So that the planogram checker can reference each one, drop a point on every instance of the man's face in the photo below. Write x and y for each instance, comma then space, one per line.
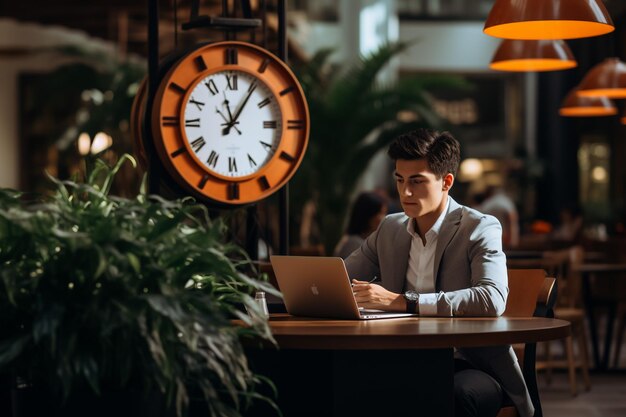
421, 193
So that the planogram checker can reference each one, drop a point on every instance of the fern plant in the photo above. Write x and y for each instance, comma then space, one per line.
114, 293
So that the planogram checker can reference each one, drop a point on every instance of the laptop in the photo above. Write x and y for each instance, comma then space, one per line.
317, 286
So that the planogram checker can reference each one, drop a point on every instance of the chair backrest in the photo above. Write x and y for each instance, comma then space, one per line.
531, 293
525, 292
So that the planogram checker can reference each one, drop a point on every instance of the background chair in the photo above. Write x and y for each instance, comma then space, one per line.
530, 294
569, 307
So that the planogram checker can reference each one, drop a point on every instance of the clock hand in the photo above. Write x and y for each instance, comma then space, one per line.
226, 130
228, 122
230, 115
232, 125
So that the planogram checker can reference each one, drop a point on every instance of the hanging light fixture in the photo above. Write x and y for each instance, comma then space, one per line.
548, 19
575, 105
532, 55
607, 79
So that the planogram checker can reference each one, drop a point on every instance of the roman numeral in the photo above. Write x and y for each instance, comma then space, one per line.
264, 65
295, 124
231, 57
177, 88
178, 151
233, 191
264, 183
212, 87
264, 103
266, 145
287, 90
212, 159
170, 121
198, 144
284, 155
198, 104
232, 164
232, 81
251, 161
200, 64
203, 181
192, 123
270, 124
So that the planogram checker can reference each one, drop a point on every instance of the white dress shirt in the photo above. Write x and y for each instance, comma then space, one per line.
421, 268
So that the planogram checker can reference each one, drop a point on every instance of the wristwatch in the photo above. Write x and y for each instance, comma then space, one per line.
412, 299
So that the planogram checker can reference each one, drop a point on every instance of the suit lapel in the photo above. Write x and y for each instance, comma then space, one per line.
401, 244
448, 229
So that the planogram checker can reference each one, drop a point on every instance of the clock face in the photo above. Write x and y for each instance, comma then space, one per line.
230, 123
233, 123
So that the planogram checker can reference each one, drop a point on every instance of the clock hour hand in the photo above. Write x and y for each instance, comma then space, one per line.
226, 130
226, 103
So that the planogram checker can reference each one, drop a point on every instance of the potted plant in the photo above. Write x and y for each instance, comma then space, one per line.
101, 294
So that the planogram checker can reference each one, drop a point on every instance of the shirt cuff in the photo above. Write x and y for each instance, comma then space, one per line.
428, 304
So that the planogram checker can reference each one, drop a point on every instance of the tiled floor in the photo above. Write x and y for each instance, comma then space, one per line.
607, 397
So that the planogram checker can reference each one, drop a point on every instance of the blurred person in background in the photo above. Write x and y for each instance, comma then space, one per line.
368, 211
494, 201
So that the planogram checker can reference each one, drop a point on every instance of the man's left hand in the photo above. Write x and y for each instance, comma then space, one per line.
374, 296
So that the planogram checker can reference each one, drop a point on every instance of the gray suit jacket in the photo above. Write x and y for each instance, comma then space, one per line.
470, 280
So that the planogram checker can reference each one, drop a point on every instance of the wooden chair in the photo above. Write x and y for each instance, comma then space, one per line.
569, 308
531, 293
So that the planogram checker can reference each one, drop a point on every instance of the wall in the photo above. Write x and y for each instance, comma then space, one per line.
10, 68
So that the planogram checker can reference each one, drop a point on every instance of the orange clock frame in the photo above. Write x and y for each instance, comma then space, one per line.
175, 151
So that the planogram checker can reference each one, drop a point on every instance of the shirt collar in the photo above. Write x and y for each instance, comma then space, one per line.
435, 227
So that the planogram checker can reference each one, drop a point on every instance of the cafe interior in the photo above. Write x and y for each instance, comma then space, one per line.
532, 89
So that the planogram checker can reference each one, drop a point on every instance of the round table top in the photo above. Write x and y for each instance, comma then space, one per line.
413, 332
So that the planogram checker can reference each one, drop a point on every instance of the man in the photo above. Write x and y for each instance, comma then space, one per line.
439, 258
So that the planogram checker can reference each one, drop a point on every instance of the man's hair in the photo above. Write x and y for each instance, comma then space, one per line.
440, 150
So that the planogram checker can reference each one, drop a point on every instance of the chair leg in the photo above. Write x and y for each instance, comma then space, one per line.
619, 337
584, 355
548, 362
571, 365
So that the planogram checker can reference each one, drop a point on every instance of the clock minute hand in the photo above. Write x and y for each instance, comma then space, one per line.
226, 130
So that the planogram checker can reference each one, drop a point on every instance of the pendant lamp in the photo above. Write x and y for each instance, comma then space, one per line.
548, 19
607, 79
575, 105
533, 55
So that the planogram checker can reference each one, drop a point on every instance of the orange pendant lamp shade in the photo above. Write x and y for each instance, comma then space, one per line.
607, 79
576, 106
542, 55
548, 19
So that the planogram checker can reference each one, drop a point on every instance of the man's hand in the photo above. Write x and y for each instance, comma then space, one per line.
374, 296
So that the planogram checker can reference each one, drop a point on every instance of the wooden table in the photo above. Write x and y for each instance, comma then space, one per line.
381, 367
588, 271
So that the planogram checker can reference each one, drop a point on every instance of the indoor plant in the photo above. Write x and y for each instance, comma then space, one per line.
114, 293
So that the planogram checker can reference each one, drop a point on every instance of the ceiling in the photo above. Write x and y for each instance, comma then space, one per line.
125, 22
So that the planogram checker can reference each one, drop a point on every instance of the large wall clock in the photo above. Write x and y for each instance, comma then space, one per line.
230, 122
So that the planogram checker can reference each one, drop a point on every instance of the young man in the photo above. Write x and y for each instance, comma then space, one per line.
439, 258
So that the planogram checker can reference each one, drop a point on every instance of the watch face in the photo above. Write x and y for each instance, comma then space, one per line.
233, 123
230, 123
411, 296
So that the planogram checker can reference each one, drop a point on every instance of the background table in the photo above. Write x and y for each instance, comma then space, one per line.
588, 271
380, 367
